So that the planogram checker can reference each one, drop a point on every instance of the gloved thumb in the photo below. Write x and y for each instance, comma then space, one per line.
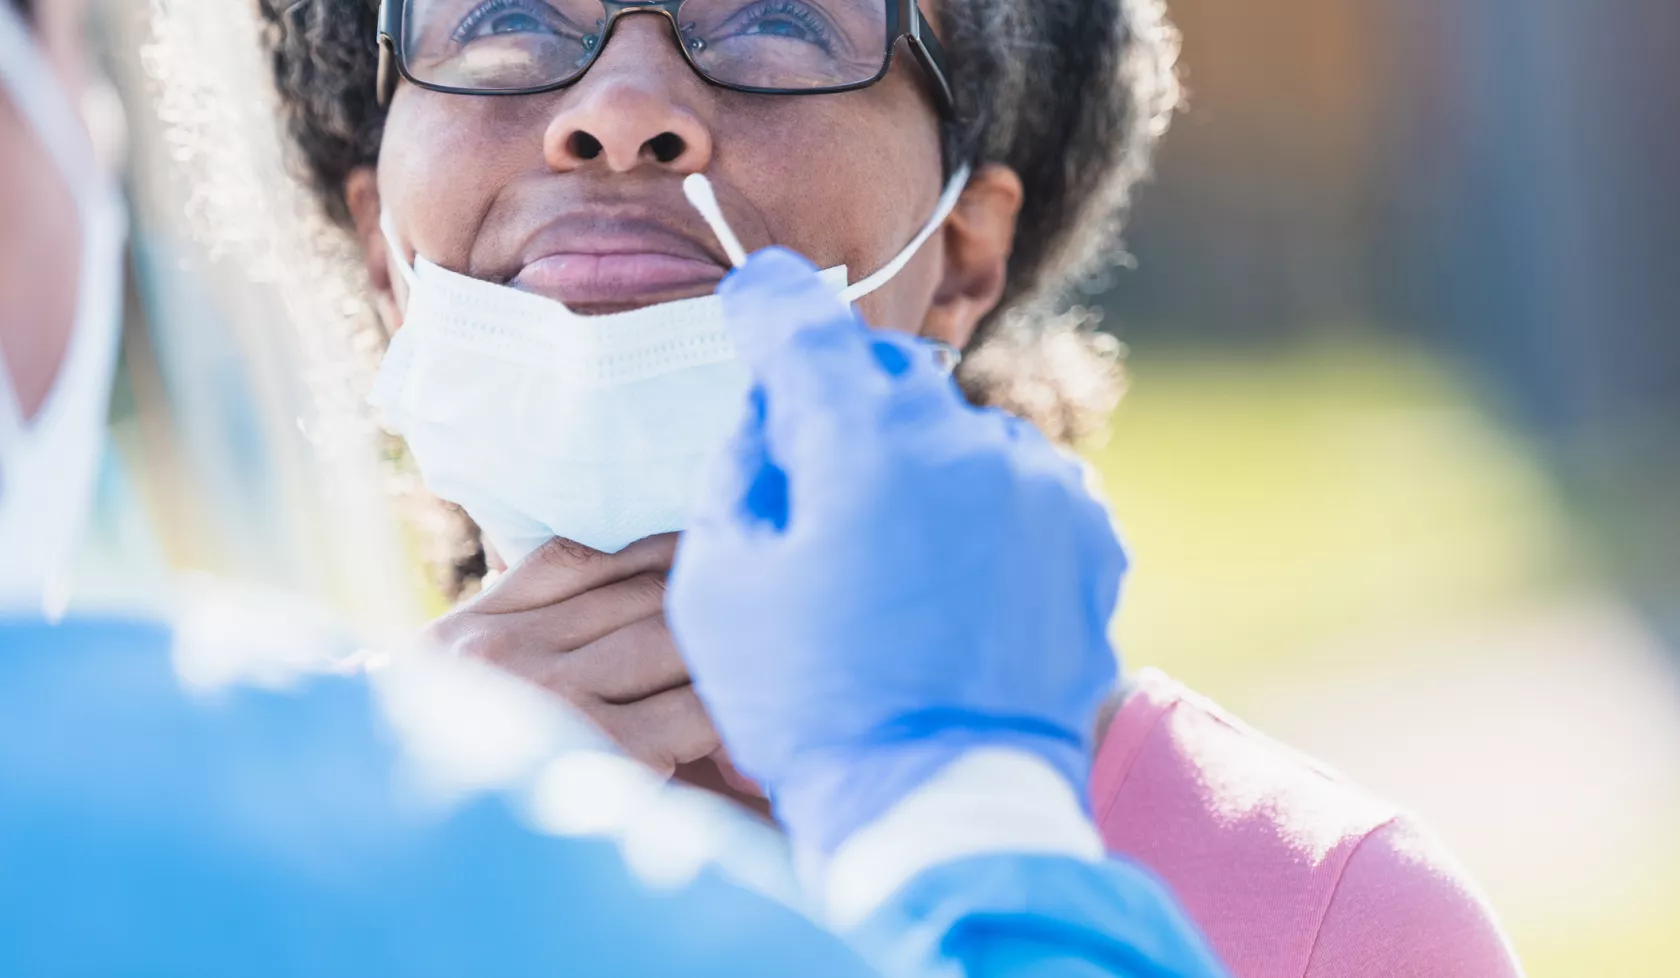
774, 295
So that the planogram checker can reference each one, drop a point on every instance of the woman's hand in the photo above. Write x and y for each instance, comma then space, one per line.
590, 627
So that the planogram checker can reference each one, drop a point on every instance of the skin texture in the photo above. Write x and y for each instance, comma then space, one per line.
40, 240
1071, 95
591, 628
844, 179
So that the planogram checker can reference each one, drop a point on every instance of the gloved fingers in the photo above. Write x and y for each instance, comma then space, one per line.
1069, 480
910, 358
743, 485
1107, 563
716, 566
664, 730
922, 394
1114, 546
824, 395
807, 351
774, 295
1037, 455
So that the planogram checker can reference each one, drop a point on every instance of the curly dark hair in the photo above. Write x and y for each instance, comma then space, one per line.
1071, 94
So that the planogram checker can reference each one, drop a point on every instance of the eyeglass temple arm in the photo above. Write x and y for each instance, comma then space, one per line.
389, 72
925, 43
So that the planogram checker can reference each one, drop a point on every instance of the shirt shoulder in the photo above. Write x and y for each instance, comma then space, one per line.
1405, 909
1257, 839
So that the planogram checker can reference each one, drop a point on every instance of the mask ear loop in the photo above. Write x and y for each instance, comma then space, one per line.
699, 192
946, 356
388, 228
947, 203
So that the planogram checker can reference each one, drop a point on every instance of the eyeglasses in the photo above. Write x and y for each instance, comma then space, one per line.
778, 47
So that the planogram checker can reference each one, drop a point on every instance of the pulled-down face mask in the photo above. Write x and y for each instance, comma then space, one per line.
540, 422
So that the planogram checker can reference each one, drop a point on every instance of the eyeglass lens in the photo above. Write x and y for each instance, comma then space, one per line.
511, 45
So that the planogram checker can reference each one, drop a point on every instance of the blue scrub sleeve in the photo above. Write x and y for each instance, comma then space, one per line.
1024, 916
258, 834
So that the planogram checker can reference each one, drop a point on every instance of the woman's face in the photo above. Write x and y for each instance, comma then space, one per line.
576, 194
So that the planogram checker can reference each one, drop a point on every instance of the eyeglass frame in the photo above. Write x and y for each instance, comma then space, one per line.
910, 25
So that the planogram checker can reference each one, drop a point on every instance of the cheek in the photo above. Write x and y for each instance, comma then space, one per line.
843, 179
429, 142
903, 303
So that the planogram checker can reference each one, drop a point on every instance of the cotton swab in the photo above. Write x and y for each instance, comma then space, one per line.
699, 192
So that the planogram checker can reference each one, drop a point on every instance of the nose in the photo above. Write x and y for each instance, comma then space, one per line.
633, 108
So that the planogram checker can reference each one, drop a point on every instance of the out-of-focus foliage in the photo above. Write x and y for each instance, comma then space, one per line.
1276, 504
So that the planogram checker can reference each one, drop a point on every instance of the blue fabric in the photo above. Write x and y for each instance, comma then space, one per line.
258, 834
881, 576
1012, 916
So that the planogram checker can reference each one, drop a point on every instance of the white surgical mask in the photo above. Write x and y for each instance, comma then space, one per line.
49, 464
540, 422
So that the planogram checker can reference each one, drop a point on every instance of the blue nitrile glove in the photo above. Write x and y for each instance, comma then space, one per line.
883, 576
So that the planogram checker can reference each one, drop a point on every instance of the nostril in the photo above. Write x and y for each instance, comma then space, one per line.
584, 146
667, 146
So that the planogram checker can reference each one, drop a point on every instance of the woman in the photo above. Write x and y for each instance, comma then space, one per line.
571, 191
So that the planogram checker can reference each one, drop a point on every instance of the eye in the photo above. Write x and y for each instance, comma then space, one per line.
508, 17
785, 19
511, 23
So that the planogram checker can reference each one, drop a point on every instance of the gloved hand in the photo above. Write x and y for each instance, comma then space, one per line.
883, 577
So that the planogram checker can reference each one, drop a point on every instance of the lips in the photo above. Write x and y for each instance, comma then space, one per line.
588, 282
610, 267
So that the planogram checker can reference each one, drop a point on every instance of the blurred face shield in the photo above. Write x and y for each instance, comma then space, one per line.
49, 457
784, 47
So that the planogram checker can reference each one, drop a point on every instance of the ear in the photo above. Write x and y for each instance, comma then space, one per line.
361, 192
978, 238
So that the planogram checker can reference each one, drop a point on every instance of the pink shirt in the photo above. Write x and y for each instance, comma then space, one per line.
1291, 871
